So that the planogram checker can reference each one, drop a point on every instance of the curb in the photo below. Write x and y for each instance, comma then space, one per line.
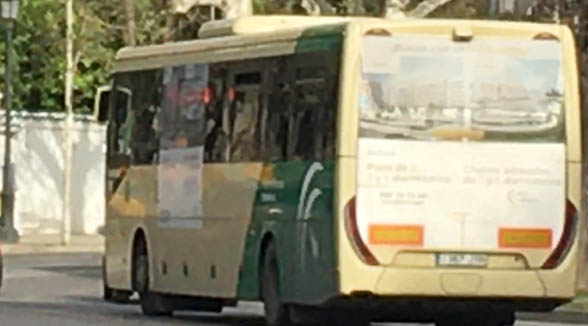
9, 250
52, 244
558, 316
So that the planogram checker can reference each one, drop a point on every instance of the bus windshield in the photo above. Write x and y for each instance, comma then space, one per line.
424, 87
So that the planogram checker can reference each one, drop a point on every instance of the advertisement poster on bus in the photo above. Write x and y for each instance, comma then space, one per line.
180, 186
460, 141
182, 146
413, 88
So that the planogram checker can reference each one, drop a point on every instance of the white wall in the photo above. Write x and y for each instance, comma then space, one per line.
38, 159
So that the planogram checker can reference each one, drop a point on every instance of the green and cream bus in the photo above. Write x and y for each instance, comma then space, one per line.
348, 169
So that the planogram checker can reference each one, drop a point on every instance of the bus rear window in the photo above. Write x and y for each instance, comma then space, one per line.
435, 89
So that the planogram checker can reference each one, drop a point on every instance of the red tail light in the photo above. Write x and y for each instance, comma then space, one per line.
206, 95
566, 240
355, 238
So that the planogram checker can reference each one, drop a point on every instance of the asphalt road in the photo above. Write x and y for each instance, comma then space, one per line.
64, 290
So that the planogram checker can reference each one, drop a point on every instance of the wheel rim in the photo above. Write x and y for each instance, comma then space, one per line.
141, 274
1, 270
270, 292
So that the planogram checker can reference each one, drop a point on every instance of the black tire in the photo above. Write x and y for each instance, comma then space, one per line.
456, 322
276, 312
308, 315
1, 270
304, 315
116, 296
481, 319
155, 304
152, 304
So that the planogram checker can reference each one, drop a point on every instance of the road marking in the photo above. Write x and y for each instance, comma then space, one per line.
28, 273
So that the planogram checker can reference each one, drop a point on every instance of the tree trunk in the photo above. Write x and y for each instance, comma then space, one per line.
324, 7
395, 8
131, 23
355, 7
67, 144
171, 21
426, 7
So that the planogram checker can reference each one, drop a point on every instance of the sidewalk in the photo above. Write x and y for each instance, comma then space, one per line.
45, 244
579, 305
575, 312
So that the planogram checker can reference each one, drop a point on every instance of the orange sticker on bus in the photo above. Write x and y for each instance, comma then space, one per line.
525, 238
396, 235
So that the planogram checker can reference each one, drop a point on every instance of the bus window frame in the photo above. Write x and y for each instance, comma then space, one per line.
98, 100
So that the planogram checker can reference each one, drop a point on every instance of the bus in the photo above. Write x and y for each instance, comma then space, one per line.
350, 169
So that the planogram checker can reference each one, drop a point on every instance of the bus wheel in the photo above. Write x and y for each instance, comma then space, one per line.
482, 319
1, 270
457, 322
276, 313
152, 304
308, 315
155, 304
116, 296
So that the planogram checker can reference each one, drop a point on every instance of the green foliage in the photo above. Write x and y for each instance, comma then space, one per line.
467, 9
100, 30
39, 48
36, 38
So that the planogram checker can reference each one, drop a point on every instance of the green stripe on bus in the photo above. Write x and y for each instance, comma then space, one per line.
305, 243
320, 39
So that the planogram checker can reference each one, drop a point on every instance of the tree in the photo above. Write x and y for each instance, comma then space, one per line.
101, 28
471, 9
39, 43
425, 8
131, 23
104, 26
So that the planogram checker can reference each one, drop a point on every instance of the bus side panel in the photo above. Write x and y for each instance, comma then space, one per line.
294, 203
117, 266
126, 210
206, 252
300, 196
576, 145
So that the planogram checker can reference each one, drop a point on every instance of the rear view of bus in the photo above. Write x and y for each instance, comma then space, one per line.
467, 198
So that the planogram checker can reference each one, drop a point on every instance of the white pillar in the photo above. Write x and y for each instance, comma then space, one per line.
67, 143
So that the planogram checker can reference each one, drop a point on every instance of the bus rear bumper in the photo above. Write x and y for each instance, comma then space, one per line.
429, 309
460, 283
525, 290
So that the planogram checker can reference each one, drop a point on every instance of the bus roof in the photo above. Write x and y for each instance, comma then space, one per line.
267, 33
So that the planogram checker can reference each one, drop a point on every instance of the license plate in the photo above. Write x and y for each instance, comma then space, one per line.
462, 260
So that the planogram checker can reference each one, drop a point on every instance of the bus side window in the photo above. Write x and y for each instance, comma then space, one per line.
309, 112
315, 96
216, 138
123, 117
244, 118
142, 130
102, 104
277, 104
120, 103
118, 116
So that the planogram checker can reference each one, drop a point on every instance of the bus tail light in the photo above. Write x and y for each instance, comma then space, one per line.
354, 236
566, 240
